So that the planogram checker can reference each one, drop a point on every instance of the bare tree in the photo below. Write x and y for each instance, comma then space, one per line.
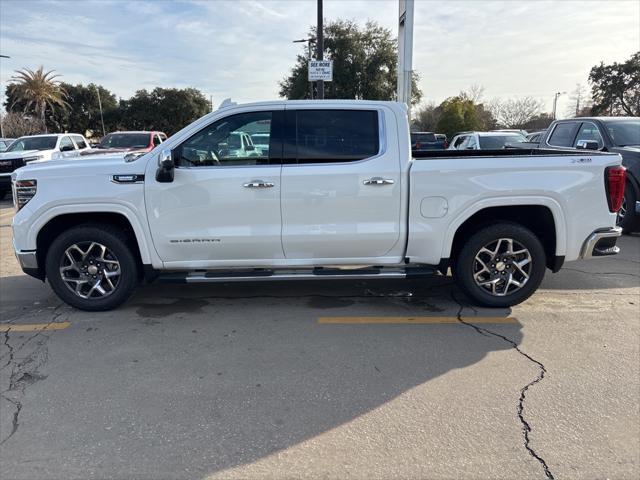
426, 118
17, 124
579, 102
475, 93
515, 112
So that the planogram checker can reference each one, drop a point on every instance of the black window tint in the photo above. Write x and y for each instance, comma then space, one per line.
80, 142
563, 134
220, 144
325, 136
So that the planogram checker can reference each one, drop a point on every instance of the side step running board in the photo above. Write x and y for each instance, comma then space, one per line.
264, 275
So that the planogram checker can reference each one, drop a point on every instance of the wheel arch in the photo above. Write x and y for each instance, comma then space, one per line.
544, 220
50, 228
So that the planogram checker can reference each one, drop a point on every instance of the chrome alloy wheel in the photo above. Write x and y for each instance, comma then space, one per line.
90, 270
502, 267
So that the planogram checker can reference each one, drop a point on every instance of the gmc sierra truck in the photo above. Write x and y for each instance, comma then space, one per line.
337, 195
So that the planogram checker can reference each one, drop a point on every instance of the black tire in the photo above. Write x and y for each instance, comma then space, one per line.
466, 262
629, 221
116, 243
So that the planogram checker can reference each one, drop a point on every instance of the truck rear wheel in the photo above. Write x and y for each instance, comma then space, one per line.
91, 267
500, 265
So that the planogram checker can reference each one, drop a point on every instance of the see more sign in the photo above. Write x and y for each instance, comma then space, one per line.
321, 70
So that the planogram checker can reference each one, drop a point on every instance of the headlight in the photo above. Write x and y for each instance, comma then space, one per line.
23, 191
33, 159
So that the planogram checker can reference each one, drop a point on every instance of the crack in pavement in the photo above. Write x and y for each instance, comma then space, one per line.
526, 427
24, 372
602, 273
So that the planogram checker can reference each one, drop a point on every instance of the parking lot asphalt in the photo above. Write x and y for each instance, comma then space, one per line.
331, 379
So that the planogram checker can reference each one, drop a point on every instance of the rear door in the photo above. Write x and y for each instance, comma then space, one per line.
341, 189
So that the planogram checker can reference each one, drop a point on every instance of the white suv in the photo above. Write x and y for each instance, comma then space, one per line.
38, 147
485, 140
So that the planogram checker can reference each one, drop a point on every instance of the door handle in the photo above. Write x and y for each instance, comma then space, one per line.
258, 184
379, 181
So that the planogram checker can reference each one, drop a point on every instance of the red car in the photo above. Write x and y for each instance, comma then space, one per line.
130, 142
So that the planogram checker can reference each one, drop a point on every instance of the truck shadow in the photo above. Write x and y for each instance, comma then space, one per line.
271, 376
218, 377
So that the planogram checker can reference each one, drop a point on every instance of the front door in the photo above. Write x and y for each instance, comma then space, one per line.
223, 205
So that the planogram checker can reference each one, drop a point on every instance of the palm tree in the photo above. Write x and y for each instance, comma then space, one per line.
39, 90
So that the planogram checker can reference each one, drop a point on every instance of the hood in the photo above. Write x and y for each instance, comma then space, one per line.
631, 149
26, 153
102, 151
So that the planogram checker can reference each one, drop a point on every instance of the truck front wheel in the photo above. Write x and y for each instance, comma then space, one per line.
500, 265
91, 267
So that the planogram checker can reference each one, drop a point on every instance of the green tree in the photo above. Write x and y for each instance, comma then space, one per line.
364, 65
38, 91
165, 109
616, 88
458, 114
83, 113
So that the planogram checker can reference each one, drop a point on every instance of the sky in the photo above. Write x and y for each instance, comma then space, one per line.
241, 49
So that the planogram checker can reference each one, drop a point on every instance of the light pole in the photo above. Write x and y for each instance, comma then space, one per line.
101, 116
1, 124
555, 102
308, 41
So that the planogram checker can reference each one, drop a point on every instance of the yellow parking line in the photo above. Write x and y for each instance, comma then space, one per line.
33, 327
414, 320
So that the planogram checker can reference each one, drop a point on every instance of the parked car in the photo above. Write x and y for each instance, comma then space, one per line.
130, 142
606, 134
443, 138
5, 143
485, 140
511, 130
33, 148
333, 193
261, 141
422, 141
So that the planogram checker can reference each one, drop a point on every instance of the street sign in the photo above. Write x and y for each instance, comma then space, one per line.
321, 70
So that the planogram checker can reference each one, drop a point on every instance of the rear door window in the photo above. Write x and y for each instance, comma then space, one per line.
66, 144
156, 140
563, 134
588, 131
330, 136
81, 144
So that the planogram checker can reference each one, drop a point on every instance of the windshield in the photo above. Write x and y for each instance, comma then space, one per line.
423, 138
125, 140
496, 142
260, 138
624, 132
33, 143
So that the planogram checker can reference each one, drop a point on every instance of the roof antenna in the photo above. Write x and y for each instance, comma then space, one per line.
226, 103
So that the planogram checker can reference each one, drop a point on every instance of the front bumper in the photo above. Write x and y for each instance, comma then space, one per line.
29, 263
601, 243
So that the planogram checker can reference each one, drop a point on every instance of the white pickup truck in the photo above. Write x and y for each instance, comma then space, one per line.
337, 195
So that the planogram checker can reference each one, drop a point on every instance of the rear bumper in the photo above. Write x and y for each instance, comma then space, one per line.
601, 243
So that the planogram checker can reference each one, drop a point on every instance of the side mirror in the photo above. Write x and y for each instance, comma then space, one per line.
166, 166
587, 145
66, 148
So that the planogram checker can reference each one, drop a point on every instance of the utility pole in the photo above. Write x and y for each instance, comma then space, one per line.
1, 124
405, 53
104, 132
320, 49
